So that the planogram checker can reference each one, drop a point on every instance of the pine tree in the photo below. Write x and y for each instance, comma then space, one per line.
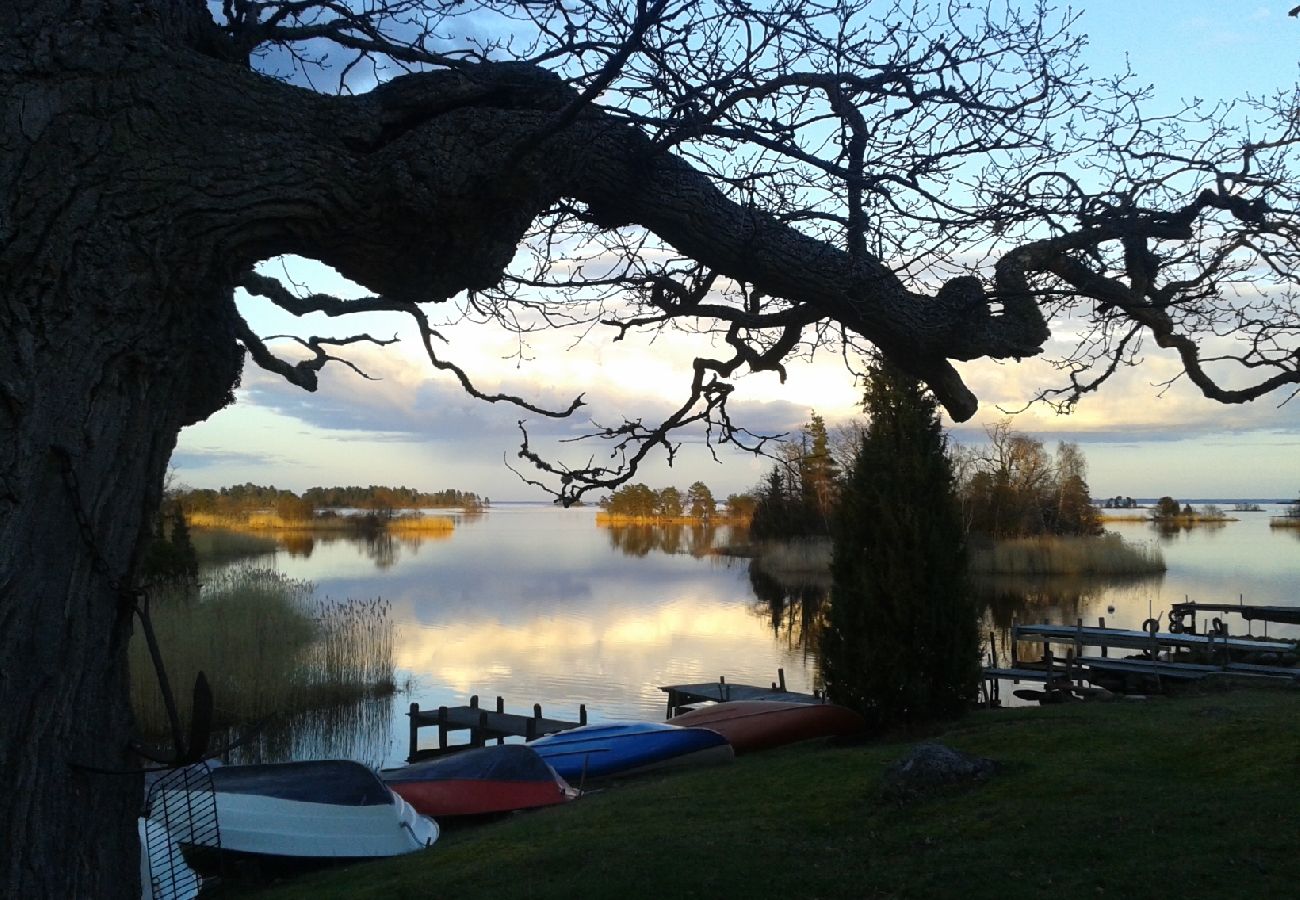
902, 640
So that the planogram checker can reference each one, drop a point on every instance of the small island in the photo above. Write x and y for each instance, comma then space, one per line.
1168, 512
639, 504
252, 507
1289, 519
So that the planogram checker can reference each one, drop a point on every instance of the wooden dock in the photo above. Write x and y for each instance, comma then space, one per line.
482, 724
1084, 636
681, 695
1283, 615
1158, 660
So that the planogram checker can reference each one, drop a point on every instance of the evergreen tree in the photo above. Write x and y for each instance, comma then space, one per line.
901, 643
772, 519
699, 501
818, 477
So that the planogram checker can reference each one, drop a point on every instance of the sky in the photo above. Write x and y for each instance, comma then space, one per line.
415, 427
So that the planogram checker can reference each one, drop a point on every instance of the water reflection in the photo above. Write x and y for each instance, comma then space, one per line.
795, 612
361, 731
540, 605
1008, 599
1168, 529
697, 540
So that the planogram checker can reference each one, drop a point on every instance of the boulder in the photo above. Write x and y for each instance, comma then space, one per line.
932, 766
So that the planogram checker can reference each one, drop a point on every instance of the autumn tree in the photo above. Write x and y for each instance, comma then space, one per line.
1016, 489
937, 182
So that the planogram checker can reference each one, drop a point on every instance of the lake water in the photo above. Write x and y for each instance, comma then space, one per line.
540, 605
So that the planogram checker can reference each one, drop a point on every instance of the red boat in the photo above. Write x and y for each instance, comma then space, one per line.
491, 779
759, 724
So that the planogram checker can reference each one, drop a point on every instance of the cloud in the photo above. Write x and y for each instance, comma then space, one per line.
211, 457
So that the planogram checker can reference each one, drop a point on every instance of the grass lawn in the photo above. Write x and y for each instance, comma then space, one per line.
1182, 798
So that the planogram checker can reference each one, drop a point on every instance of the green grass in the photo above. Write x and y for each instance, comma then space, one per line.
266, 647
1198, 796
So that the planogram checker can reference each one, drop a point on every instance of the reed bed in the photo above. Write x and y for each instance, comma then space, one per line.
433, 526
793, 560
335, 524
352, 656
267, 648
797, 561
1107, 554
268, 521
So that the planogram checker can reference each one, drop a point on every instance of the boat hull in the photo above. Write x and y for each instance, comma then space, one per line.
600, 751
323, 809
751, 725
479, 782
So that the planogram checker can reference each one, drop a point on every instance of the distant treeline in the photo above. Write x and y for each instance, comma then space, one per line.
1011, 489
639, 501
242, 498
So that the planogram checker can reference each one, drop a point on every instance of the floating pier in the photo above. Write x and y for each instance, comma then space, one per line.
1285, 615
1065, 674
483, 725
681, 695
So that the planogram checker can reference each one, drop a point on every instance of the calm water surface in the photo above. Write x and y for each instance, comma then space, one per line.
539, 605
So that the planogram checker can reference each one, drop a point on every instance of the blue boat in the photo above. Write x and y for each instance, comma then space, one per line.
598, 751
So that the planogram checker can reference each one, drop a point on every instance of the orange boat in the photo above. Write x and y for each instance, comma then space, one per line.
751, 725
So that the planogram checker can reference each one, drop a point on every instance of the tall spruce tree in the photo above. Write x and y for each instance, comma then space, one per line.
902, 640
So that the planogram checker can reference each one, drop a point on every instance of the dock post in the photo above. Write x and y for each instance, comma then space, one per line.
672, 703
780, 677
582, 714
1101, 623
414, 714
478, 736
442, 728
501, 708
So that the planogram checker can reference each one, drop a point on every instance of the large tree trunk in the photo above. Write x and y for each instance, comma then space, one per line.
115, 334
139, 180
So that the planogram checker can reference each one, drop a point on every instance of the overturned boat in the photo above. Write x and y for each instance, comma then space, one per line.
751, 725
598, 751
313, 809
477, 782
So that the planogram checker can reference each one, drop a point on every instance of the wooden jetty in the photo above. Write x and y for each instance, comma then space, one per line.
1284, 615
683, 695
1083, 636
482, 724
1067, 672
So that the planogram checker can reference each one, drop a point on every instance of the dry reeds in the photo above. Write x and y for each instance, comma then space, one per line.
798, 560
793, 560
432, 526
1107, 554
269, 521
266, 647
